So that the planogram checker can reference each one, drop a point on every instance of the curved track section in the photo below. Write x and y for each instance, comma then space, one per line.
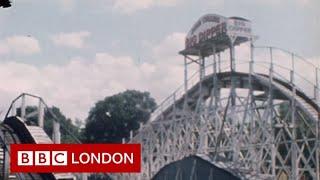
15, 131
260, 82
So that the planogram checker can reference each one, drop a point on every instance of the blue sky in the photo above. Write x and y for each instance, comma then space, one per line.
74, 52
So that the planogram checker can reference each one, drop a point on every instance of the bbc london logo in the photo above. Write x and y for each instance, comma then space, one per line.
42, 158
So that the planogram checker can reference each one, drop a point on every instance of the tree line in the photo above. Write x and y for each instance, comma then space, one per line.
109, 120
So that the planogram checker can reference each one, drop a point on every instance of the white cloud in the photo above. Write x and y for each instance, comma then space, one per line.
67, 4
130, 6
77, 85
72, 40
63, 4
170, 46
20, 45
4, 49
277, 2
316, 61
216, 3
305, 2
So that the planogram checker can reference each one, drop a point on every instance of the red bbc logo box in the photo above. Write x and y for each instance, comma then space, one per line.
42, 158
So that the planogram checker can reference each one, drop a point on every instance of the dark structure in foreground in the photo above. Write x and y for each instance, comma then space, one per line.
200, 168
5, 3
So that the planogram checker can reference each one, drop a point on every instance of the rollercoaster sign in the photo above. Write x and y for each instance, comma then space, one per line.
211, 26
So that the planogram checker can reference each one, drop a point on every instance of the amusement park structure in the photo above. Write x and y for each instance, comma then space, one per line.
255, 117
25, 125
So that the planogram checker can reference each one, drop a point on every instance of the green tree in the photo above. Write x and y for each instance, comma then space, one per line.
113, 118
66, 126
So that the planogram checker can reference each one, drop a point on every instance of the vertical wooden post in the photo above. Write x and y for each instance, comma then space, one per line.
40, 114
23, 106
56, 132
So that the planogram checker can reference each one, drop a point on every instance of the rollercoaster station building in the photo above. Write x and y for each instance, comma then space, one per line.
254, 117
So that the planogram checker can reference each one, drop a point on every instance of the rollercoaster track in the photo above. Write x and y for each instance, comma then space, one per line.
176, 132
27, 134
299, 92
17, 130
243, 82
18, 133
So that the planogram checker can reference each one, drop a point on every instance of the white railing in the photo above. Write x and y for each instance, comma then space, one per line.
305, 74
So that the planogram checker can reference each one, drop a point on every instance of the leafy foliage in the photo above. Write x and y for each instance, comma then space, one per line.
113, 118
